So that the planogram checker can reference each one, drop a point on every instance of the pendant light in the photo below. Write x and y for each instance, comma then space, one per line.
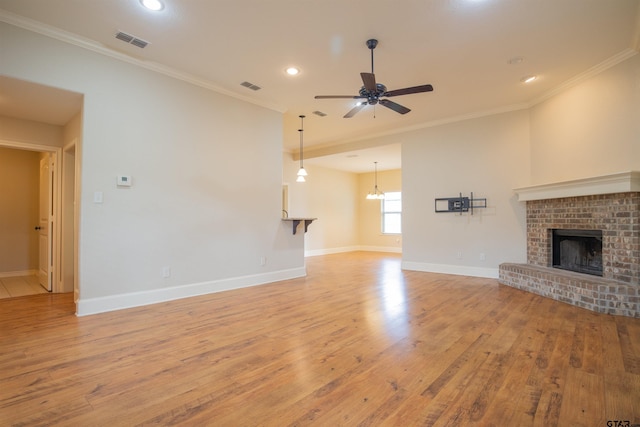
301, 172
377, 194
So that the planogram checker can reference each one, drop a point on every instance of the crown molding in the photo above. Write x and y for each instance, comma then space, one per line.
591, 72
74, 39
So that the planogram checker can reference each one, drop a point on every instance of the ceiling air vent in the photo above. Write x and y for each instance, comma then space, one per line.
250, 86
319, 113
128, 38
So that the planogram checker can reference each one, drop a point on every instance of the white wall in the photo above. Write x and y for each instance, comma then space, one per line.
589, 130
18, 130
329, 195
487, 156
193, 207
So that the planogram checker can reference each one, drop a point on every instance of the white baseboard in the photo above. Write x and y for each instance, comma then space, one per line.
88, 306
18, 273
461, 270
329, 251
392, 249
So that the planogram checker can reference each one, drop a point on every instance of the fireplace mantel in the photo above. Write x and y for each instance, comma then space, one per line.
623, 182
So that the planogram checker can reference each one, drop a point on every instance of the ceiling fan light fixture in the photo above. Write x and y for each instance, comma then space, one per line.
154, 5
300, 179
528, 79
302, 172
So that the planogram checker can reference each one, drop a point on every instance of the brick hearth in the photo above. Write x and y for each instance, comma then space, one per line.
618, 216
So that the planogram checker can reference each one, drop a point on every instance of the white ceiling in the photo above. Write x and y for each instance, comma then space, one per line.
461, 47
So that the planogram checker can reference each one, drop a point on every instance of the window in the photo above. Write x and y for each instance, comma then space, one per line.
392, 213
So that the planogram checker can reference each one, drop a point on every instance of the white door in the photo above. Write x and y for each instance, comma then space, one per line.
45, 225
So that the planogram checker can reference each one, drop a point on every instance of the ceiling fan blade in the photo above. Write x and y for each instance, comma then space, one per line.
394, 106
409, 90
354, 110
369, 80
338, 97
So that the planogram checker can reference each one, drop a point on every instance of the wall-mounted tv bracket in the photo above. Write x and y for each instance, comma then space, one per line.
459, 204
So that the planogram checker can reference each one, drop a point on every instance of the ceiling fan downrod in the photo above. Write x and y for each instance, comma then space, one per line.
371, 44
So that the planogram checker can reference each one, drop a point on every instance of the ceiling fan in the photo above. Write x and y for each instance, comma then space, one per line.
372, 92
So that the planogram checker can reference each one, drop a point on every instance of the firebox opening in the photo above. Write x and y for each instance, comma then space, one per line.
578, 250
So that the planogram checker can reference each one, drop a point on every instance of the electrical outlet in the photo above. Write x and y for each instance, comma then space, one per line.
482, 257
166, 272
459, 255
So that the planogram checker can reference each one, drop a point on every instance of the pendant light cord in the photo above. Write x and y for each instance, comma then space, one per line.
376, 177
301, 145
377, 194
301, 172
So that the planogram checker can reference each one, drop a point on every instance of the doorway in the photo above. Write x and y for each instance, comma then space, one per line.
57, 217
46, 119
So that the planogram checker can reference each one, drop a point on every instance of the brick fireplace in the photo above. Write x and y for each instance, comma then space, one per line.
609, 204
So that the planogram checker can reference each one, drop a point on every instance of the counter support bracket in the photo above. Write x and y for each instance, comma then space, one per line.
296, 221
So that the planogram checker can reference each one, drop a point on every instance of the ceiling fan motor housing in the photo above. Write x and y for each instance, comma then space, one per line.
373, 97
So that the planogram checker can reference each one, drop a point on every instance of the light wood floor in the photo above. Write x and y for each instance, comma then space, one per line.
357, 342
19, 286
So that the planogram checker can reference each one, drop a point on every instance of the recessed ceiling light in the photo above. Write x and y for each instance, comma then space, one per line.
528, 79
292, 71
152, 4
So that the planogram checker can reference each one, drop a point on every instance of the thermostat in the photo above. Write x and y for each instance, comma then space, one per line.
124, 180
